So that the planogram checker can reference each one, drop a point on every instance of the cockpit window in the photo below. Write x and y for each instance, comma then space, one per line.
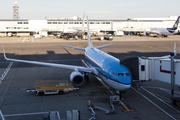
127, 74
121, 74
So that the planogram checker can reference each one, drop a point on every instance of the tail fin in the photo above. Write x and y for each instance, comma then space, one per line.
83, 22
175, 51
89, 35
176, 23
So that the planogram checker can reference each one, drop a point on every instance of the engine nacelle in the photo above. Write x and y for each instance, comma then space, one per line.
77, 78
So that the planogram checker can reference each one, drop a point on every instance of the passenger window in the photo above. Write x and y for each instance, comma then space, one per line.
115, 74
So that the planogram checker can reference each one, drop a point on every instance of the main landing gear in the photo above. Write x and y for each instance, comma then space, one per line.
86, 77
120, 94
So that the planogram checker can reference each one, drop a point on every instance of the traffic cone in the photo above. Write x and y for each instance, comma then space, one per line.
89, 102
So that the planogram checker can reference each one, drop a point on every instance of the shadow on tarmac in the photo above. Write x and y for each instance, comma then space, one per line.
70, 59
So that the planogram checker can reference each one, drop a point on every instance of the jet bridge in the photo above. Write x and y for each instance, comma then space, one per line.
152, 68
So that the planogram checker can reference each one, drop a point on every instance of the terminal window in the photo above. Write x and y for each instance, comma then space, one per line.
107, 22
91, 22
54, 22
65, 22
49, 23
60, 22
97, 23
26, 22
76, 22
70, 22
103, 23
19, 22
26, 27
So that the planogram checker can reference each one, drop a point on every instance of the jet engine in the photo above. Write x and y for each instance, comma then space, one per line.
77, 78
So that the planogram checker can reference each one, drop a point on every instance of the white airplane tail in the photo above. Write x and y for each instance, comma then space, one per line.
90, 45
176, 23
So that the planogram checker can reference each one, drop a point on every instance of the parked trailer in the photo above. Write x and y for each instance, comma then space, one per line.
43, 87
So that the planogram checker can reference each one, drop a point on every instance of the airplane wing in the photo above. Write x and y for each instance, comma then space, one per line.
99, 47
83, 69
155, 31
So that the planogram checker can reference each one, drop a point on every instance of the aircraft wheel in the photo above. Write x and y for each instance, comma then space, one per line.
87, 78
61, 92
41, 93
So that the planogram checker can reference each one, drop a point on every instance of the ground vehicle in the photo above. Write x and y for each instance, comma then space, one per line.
51, 87
108, 37
36, 36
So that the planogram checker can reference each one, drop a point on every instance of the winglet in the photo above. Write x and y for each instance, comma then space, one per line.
89, 36
4, 52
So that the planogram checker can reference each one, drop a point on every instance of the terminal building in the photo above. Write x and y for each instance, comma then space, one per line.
25, 27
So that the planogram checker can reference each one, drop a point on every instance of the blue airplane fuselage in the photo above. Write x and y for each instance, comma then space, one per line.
109, 69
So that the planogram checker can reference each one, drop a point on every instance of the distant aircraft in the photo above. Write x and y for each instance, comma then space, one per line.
79, 31
76, 30
103, 66
165, 31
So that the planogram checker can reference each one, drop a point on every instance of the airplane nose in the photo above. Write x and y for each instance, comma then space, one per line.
126, 80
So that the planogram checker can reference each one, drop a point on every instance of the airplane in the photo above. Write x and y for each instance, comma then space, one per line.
79, 31
76, 30
102, 65
164, 31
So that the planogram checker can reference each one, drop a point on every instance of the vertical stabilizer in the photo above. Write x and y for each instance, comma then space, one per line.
176, 23
175, 51
89, 35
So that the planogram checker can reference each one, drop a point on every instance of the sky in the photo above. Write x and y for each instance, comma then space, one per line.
95, 9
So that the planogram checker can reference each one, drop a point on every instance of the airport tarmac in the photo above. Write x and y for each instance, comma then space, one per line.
15, 100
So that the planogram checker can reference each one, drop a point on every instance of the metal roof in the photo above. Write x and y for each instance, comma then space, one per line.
14, 20
109, 20
100, 20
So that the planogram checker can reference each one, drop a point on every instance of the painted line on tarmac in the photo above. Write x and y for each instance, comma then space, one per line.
154, 104
169, 91
23, 40
6, 71
163, 89
160, 100
26, 114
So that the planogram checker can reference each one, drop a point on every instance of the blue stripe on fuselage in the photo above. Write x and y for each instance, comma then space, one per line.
106, 65
171, 30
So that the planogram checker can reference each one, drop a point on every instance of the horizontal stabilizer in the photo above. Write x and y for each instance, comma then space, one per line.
99, 47
79, 48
